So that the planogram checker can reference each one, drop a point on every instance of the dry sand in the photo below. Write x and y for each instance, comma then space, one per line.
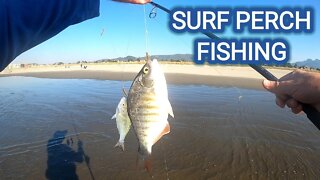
239, 76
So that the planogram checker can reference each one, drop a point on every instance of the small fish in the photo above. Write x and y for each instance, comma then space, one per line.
148, 109
123, 121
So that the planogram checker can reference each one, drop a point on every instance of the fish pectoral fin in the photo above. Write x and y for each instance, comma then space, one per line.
114, 116
165, 131
169, 108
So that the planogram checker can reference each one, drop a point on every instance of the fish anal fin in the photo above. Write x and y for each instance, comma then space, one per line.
165, 131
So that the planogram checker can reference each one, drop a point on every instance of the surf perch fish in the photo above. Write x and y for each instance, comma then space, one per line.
123, 121
148, 109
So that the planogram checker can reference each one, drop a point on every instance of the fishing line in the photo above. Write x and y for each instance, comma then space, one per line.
232, 85
146, 29
147, 57
117, 55
146, 46
86, 158
153, 15
102, 32
165, 160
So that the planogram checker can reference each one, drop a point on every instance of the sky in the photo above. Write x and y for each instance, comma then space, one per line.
119, 31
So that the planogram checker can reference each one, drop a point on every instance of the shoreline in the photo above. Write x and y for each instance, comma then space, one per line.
180, 74
172, 78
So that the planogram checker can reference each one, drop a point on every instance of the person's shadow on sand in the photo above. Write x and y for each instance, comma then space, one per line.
62, 158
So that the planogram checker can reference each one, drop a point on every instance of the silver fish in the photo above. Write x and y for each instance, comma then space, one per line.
148, 108
123, 121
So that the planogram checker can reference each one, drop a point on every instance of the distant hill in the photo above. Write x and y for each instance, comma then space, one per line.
309, 63
177, 57
173, 57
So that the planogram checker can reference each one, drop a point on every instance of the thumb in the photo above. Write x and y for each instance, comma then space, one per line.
279, 87
270, 85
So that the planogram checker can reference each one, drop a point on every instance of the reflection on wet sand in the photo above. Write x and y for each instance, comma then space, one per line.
215, 134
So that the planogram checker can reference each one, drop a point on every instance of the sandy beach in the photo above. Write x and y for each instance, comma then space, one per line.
62, 128
239, 76
56, 121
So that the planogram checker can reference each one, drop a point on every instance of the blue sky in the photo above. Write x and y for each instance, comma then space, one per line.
123, 33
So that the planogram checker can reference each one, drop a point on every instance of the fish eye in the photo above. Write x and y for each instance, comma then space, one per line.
145, 70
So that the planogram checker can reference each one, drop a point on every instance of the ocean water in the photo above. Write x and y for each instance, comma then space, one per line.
51, 128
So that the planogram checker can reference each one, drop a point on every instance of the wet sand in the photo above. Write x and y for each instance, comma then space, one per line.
218, 132
172, 78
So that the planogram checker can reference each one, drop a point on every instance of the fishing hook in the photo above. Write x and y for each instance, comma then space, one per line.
153, 12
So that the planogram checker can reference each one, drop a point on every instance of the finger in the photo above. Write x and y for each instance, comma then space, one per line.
269, 85
281, 103
282, 97
278, 87
281, 100
140, 1
297, 110
292, 103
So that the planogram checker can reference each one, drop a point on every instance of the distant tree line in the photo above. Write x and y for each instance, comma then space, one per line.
289, 65
141, 59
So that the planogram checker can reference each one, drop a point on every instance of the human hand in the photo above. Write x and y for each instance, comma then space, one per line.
295, 88
134, 1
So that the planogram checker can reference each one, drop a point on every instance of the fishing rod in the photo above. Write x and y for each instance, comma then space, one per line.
86, 158
311, 112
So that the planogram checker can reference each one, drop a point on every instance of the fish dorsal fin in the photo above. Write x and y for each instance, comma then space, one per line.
165, 131
169, 108
115, 114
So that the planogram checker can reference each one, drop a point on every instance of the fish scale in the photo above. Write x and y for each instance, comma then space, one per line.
123, 121
148, 108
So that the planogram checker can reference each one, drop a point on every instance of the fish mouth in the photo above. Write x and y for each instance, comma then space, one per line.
149, 61
152, 63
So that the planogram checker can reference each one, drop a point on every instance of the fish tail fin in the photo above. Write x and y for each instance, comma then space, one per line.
144, 160
120, 144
